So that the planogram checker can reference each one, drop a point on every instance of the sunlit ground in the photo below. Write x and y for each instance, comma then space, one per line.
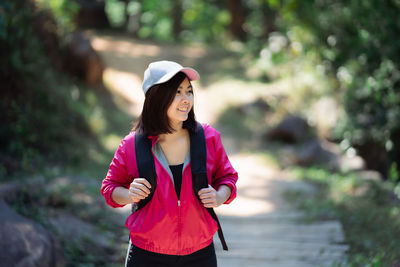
254, 189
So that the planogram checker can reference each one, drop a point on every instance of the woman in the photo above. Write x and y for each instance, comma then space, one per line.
174, 228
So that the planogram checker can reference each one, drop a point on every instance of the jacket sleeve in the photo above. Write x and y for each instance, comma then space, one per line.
117, 175
224, 172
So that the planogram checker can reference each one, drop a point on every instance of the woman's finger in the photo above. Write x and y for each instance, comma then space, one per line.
208, 200
208, 195
206, 190
143, 181
138, 191
142, 187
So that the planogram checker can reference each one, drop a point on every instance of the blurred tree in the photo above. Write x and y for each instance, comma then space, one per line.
126, 12
235, 8
269, 18
176, 14
91, 14
133, 14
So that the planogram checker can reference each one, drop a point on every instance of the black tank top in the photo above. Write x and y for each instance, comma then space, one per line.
177, 175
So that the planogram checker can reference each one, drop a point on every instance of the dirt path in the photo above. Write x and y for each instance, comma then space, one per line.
261, 227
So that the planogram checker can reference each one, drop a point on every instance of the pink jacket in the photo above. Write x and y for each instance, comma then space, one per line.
165, 225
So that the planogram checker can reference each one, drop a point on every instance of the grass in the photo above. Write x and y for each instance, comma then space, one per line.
368, 210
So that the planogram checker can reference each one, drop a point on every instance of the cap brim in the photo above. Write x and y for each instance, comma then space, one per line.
190, 73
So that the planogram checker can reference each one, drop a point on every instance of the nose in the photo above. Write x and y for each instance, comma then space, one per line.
186, 98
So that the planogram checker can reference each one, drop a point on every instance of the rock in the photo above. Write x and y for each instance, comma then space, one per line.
12, 191
317, 152
292, 129
322, 152
77, 231
26, 243
258, 105
9, 191
83, 61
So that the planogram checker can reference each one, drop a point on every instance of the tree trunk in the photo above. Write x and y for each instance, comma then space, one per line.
132, 21
91, 14
237, 19
177, 12
126, 21
269, 17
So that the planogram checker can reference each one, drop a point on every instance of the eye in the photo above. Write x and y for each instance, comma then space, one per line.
178, 91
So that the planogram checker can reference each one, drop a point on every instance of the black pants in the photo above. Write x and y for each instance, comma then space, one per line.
137, 257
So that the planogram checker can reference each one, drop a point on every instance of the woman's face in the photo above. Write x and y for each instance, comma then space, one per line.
181, 105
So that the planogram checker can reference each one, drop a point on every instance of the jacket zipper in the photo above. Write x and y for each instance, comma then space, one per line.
179, 218
179, 225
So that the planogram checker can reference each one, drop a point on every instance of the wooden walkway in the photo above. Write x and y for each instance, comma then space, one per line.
262, 229
278, 240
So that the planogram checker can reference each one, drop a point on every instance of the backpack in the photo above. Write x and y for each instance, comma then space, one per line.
198, 155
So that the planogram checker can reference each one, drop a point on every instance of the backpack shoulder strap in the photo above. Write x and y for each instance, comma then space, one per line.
145, 165
198, 158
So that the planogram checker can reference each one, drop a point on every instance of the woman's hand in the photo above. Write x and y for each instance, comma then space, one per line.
139, 189
212, 198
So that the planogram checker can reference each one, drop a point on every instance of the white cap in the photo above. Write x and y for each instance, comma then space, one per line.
162, 71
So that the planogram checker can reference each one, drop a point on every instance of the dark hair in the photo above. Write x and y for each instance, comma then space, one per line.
154, 119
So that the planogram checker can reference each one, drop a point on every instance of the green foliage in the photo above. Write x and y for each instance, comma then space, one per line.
394, 173
356, 42
201, 21
205, 21
155, 20
39, 125
368, 210
115, 12
48, 119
